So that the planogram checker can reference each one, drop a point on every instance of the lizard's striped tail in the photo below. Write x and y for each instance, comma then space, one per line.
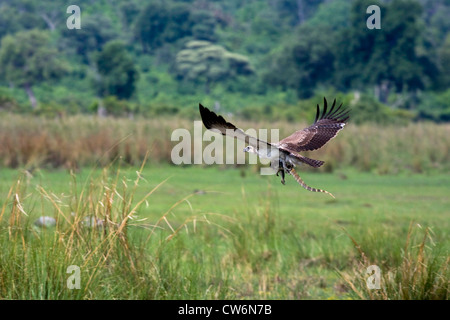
304, 185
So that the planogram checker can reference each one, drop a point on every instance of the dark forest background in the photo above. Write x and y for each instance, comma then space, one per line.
260, 59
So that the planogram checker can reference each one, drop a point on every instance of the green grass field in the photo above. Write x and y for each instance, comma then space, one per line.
211, 233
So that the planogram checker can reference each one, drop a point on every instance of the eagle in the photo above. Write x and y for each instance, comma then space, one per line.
284, 155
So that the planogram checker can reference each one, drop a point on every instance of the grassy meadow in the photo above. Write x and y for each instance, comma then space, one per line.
217, 232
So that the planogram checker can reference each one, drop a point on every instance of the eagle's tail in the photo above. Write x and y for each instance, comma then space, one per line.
298, 159
304, 185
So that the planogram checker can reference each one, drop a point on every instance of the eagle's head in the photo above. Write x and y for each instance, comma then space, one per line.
250, 149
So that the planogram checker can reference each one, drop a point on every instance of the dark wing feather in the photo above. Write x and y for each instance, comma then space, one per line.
325, 127
217, 123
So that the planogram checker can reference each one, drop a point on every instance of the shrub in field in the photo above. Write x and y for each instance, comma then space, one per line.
422, 273
7, 102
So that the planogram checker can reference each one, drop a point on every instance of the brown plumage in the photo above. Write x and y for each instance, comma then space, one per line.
284, 154
323, 130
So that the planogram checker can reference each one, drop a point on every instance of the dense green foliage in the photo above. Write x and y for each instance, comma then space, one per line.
201, 61
253, 55
117, 74
26, 59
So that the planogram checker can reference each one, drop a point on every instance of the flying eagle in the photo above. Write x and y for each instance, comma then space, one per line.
284, 155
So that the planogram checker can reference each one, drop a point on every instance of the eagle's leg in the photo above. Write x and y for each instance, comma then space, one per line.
280, 169
287, 166
282, 175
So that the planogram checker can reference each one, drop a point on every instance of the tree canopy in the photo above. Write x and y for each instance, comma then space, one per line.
117, 74
261, 52
204, 62
27, 59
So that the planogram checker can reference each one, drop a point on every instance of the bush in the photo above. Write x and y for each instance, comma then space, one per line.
435, 106
116, 107
50, 110
7, 102
367, 109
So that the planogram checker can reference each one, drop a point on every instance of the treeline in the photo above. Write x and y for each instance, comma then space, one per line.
259, 59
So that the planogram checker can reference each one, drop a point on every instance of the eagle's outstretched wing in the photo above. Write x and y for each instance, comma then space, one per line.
325, 127
217, 123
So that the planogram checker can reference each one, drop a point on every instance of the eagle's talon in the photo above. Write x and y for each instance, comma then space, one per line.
282, 175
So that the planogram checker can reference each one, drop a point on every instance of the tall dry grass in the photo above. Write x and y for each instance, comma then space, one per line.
77, 141
114, 262
422, 274
81, 140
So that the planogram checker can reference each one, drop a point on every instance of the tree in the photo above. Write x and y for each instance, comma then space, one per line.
207, 63
334, 14
128, 12
117, 74
305, 63
296, 11
397, 46
179, 24
162, 22
26, 58
50, 12
444, 56
151, 24
203, 26
388, 58
95, 32
15, 18
360, 43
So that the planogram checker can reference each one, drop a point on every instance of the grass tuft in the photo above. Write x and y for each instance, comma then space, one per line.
422, 274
